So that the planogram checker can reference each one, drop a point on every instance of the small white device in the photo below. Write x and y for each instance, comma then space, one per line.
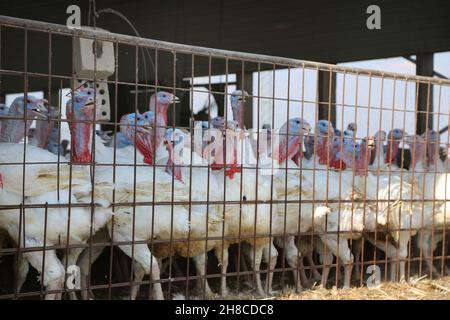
95, 59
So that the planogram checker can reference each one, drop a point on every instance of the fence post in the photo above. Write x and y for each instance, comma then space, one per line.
424, 67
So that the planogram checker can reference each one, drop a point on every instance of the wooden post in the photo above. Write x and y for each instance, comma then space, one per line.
327, 96
424, 67
244, 81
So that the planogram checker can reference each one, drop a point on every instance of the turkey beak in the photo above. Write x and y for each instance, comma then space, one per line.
40, 109
89, 106
408, 139
306, 128
406, 142
176, 99
243, 97
167, 140
144, 129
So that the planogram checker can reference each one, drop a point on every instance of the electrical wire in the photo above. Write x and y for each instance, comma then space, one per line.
96, 14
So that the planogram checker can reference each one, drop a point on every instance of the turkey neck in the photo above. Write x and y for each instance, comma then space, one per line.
171, 168
43, 131
433, 153
148, 143
238, 115
378, 161
323, 149
362, 163
417, 157
392, 150
81, 133
14, 130
161, 110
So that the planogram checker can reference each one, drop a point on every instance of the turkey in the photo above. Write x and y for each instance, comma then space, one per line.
136, 223
54, 146
395, 214
262, 145
202, 219
248, 222
123, 150
15, 128
436, 217
237, 101
160, 102
4, 110
134, 127
228, 173
378, 159
290, 185
45, 129
50, 226
336, 185
394, 138
156, 137
245, 150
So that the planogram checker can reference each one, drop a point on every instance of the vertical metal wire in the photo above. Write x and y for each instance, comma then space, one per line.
272, 165
25, 113
223, 201
423, 183
314, 169
133, 232
288, 135
154, 179
378, 174
444, 231
116, 121
339, 204
300, 197
174, 59
429, 98
412, 183
354, 142
240, 188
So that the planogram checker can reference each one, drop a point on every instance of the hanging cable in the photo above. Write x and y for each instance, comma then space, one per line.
96, 14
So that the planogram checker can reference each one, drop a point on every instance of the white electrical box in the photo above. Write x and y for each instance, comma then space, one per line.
102, 94
95, 59
89, 55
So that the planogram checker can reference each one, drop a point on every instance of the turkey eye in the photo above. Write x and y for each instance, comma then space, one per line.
244, 198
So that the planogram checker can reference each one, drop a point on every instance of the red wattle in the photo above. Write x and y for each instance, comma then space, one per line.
391, 152
85, 155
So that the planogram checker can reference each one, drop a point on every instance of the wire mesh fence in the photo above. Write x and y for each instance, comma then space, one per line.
138, 168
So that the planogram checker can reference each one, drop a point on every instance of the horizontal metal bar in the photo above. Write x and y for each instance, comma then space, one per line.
210, 52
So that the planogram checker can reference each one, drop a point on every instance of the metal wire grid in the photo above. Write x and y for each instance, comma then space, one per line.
213, 56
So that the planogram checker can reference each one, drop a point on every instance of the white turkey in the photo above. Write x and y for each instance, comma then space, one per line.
4, 110
52, 223
389, 196
21, 115
45, 128
291, 185
435, 222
